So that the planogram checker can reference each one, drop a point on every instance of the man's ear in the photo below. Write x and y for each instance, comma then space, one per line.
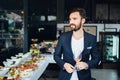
83, 20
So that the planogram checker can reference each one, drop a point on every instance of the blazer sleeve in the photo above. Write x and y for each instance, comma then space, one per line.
58, 53
95, 54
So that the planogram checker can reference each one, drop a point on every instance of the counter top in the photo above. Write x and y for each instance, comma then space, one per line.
42, 65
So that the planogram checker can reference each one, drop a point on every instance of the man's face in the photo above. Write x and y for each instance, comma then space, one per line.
75, 21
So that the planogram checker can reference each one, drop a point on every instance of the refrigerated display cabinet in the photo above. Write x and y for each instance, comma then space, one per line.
110, 42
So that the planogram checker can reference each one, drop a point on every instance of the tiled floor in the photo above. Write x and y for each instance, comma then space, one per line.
48, 79
105, 74
51, 75
99, 74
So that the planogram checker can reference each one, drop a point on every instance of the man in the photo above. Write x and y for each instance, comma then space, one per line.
74, 43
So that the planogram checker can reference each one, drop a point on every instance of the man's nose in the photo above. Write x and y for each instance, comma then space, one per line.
71, 22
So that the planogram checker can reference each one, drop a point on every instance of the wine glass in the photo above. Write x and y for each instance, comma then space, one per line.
77, 59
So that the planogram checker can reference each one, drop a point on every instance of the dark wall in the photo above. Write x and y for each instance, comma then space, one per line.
86, 4
42, 32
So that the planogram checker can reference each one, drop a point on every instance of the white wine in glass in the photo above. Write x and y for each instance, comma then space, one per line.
77, 59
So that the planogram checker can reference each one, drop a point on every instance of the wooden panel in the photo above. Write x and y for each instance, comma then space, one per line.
110, 65
91, 29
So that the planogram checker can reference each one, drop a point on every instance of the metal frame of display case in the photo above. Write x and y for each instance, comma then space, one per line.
11, 39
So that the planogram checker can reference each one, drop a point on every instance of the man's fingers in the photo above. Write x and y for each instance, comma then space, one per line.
82, 65
69, 68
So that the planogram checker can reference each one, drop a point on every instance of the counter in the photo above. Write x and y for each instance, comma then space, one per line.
42, 65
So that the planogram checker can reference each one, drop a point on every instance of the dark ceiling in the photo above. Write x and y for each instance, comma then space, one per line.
11, 4
42, 4
34, 6
50, 6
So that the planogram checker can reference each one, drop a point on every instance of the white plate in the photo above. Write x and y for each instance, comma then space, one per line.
25, 74
3, 71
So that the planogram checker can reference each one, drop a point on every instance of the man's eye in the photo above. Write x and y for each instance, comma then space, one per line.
75, 18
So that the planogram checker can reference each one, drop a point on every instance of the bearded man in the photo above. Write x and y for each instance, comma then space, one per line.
75, 47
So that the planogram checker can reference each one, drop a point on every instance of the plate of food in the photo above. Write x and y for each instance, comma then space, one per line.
3, 70
26, 73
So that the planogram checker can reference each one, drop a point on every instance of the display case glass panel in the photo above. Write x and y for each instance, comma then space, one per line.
110, 46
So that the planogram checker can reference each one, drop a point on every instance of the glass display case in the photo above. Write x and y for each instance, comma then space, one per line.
11, 29
110, 46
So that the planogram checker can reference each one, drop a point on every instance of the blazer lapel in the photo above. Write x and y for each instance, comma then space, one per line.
69, 43
85, 42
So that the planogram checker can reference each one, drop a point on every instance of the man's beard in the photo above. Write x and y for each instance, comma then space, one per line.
75, 28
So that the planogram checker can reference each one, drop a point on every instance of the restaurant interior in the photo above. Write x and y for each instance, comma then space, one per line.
30, 29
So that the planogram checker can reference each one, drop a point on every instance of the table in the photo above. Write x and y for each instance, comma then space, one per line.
42, 66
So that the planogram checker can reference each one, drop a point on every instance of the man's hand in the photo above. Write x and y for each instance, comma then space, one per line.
82, 65
69, 68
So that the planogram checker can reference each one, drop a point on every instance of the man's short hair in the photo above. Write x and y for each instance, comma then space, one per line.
81, 11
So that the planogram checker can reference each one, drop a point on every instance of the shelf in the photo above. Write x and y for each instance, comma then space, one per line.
11, 40
43, 23
10, 36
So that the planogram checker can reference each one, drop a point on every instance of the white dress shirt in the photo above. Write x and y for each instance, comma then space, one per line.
77, 48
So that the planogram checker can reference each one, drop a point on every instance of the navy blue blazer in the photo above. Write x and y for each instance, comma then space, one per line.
64, 49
